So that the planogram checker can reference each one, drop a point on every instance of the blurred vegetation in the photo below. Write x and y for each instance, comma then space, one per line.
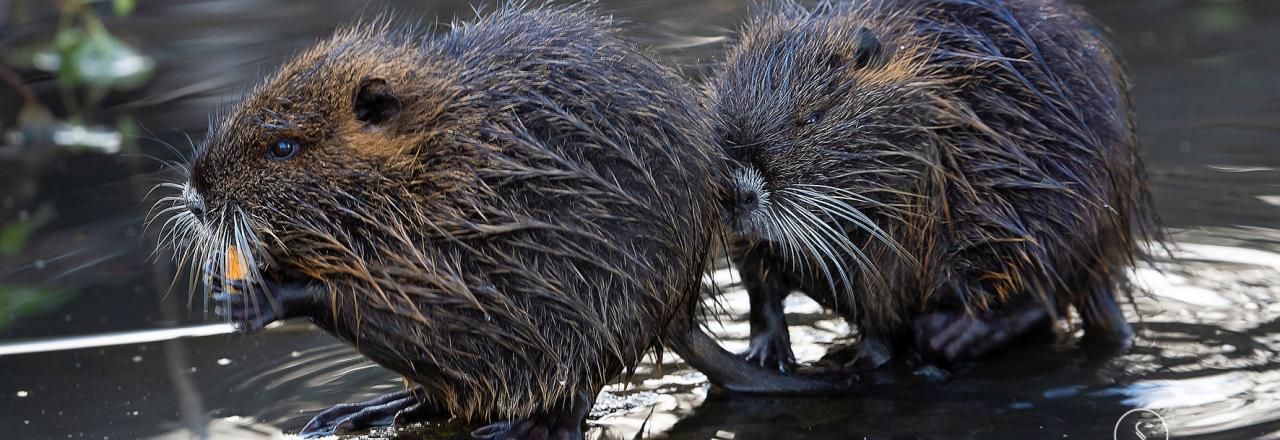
21, 301
88, 62
13, 236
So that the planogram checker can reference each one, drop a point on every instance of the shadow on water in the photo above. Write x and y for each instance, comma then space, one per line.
95, 343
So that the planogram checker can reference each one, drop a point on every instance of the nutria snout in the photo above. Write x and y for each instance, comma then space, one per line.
747, 201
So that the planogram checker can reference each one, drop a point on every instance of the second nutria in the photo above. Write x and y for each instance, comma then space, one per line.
947, 174
508, 215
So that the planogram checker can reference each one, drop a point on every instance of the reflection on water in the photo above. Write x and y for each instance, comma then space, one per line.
102, 347
1205, 359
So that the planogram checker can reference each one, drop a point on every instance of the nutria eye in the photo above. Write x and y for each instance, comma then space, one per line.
812, 119
284, 149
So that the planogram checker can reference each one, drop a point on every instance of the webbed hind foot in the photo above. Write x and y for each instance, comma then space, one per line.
952, 336
872, 353
399, 407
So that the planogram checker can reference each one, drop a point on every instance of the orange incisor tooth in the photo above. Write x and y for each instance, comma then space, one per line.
235, 267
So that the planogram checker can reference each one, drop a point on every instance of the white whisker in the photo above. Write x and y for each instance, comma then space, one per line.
838, 210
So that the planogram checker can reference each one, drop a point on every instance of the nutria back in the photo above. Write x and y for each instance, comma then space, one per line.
909, 155
509, 214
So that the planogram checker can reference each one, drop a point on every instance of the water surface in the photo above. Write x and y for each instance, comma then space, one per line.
100, 356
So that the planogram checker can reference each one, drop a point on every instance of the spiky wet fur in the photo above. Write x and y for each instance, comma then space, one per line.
991, 142
535, 218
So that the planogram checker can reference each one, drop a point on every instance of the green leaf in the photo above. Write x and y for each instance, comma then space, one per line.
13, 236
106, 61
128, 129
16, 301
123, 7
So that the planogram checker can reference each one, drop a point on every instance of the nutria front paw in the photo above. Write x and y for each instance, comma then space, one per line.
771, 350
250, 307
248, 315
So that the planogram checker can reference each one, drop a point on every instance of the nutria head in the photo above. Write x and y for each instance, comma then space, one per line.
321, 156
815, 111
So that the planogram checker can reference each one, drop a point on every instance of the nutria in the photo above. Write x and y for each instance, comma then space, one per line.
508, 215
947, 174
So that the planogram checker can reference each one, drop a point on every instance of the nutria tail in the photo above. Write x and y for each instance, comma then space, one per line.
729, 371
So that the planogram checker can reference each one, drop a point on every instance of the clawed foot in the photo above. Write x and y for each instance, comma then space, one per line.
250, 307
566, 424
953, 336
400, 407
872, 353
771, 350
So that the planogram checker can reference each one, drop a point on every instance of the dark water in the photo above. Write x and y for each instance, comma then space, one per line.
1205, 360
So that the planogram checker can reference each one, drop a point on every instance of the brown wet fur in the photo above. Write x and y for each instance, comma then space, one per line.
993, 141
527, 211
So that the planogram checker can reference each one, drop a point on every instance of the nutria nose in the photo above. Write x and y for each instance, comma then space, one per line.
195, 203
743, 201
748, 200
197, 210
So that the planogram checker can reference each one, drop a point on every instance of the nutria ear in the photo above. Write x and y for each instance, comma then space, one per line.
375, 102
869, 48
867, 52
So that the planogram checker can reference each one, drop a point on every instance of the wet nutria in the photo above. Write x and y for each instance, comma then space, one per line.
947, 174
508, 215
